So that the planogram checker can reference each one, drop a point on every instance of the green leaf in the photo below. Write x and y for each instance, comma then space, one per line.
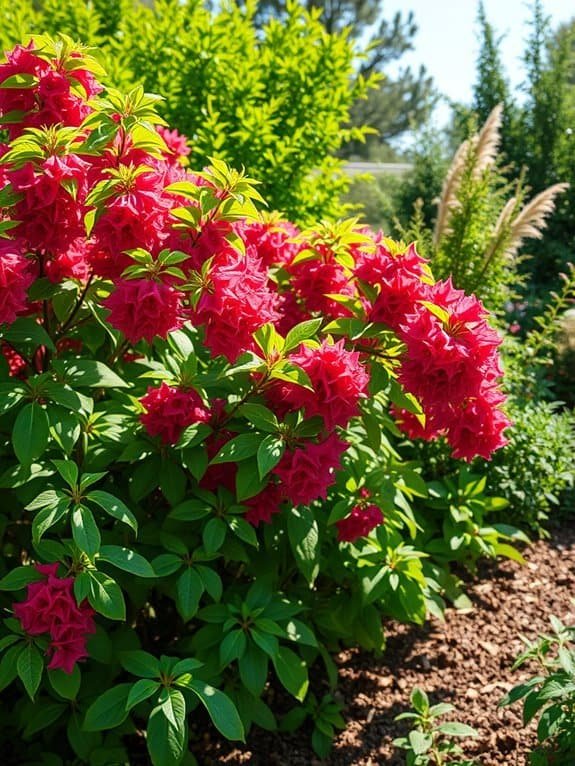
303, 533
261, 417
67, 685
109, 710
239, 448
214, 534
105, 596
64, 395
166, 564
127, 560
454, 729
232, 647
141, 664
248, 482
420, 742
113, 507
301, 332
189, 590
269, 454
31, 433
140, 691
26, 331
85, 531
49, 517
220, 708
68, 470
190, 510
11, 394
30, 667
20, 577
88, 373
292, 672
419, 700
253, 667
167, 731
243, 529
8, 665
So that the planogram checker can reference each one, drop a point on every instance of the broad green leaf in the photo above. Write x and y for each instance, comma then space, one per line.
189, 589
68, 470
269, 454
292, 672
113, 507
127, 560
220, 708
88, 373
85, 530
140, 663
30, 667
232, 647
31, 433
214, 534
20, 577
301, 332
26, 331
67, 685
140, 691
48, 517
253, 667
303, 535
420, 742
167, 731
239, 448
261, 417
105, 596
8, 665
109, 710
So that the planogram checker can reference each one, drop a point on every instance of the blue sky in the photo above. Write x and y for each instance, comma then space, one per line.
446, 41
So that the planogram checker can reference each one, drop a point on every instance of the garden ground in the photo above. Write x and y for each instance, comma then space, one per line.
466, 661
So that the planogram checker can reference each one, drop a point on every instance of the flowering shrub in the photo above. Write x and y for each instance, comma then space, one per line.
198, 480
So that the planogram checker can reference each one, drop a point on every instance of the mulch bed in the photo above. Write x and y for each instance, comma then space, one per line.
466, 661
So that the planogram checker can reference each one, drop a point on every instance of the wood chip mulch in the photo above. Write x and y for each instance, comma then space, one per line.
465, 661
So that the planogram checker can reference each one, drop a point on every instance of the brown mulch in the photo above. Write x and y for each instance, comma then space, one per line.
465, 661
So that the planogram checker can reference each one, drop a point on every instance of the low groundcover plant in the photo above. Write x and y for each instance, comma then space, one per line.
198, 410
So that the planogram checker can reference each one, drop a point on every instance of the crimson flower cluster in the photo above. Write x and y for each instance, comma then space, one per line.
50, 608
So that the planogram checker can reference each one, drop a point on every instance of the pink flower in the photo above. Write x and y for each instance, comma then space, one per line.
50, 607
16, 276
143, 308
338, 378
398, 279
237, 303
359, 523
264, 505
307, 472
170, 410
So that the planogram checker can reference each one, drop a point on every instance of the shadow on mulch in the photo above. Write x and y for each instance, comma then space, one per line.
465, 661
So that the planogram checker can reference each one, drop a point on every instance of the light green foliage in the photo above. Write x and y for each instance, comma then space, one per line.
431, 743
549, 695
275, 100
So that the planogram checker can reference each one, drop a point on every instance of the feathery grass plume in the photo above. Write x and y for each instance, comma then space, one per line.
479, 152
487, 141
531, 220
448, 199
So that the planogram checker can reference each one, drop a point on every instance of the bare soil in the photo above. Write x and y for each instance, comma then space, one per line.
466, 661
